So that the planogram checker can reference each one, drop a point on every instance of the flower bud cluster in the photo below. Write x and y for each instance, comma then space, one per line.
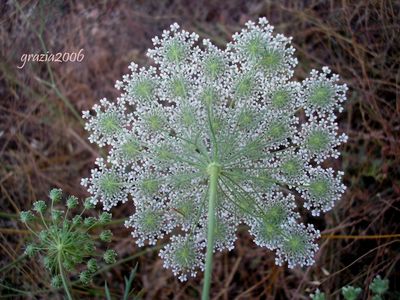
65, 239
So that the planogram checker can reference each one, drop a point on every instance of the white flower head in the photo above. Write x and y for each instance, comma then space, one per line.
237, 111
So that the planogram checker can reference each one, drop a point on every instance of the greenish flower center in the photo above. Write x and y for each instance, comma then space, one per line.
144, 89
185, 256
214, 66
151, 221
109, 124
155, 122
149, 186
321, 95
272, 219
280, 99
270, 60
175, 52
254, 47
291, 167
110, 184
164, 153
275, 214
130, 149
244, 87
246, 118
319, 188
188, 117
209, 96
270, 230
295, 243
277, 130
179, 88
318, 140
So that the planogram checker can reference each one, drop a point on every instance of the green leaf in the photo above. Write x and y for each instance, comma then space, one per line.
107, 291
128, 283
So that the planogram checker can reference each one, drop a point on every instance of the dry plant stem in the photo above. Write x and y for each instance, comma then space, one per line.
64, 279
213, 170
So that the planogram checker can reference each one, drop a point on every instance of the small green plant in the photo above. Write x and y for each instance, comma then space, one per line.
378, 287
350, 292
212, 138
128, 290
318, 295
64, 239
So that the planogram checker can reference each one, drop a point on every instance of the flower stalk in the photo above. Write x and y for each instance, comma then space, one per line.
63, 278
213, 170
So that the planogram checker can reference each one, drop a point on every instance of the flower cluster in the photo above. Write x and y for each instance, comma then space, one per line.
237, 109
64, 238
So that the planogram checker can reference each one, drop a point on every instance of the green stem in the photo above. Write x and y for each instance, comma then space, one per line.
64, 279
213, 170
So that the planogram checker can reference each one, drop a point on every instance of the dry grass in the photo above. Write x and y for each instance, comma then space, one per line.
43, 144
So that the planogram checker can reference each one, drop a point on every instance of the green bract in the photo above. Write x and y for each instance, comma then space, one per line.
219, 141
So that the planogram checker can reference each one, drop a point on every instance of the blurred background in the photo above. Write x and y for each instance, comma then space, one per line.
43, 143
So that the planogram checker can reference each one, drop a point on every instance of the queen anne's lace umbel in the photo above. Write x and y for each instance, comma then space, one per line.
235, 107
